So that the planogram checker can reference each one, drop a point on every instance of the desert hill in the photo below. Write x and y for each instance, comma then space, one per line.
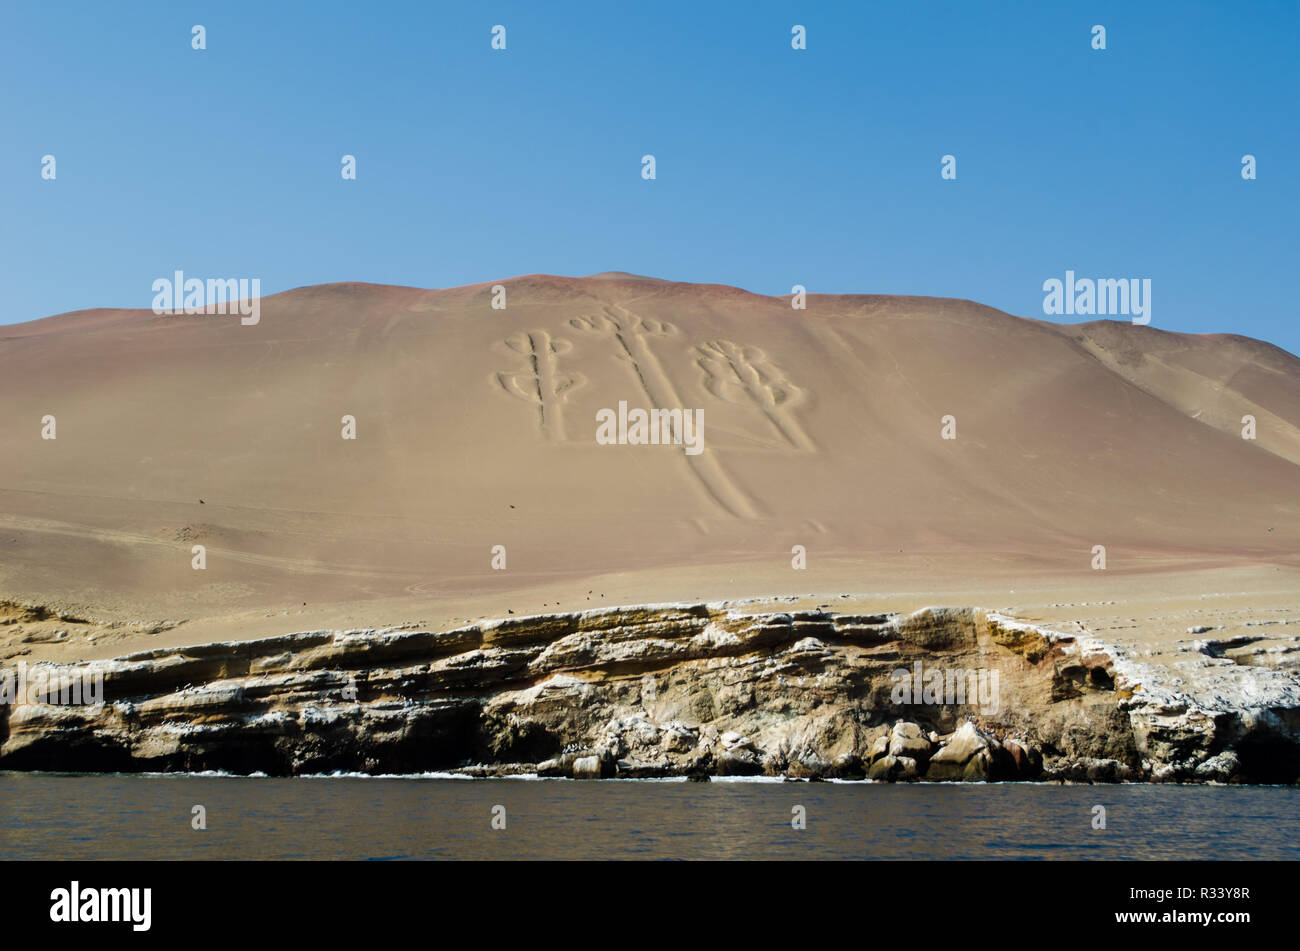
475, 427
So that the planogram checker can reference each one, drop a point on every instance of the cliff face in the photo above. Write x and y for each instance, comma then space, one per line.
676, 689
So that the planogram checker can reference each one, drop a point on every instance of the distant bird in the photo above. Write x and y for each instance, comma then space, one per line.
201, 502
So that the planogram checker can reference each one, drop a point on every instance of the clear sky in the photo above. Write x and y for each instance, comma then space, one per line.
774, 167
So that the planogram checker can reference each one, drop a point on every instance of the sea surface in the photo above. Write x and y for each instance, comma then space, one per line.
86, 817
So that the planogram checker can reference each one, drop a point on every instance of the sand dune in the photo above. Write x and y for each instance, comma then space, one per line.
476, 428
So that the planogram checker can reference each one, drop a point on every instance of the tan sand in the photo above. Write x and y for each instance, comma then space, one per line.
475, 428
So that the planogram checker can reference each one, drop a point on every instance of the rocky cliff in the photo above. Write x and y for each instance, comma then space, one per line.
676, 689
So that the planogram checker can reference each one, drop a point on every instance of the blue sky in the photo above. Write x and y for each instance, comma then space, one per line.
774, 167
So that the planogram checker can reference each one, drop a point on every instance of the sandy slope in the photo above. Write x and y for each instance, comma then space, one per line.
476, 428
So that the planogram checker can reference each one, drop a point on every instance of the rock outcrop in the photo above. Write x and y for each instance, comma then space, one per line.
723, 689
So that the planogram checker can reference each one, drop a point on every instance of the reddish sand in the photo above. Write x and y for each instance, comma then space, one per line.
476, 428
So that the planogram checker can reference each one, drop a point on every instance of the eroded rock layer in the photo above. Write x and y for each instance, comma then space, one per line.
943, 694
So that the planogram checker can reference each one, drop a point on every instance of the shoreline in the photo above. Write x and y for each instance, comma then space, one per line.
466, 777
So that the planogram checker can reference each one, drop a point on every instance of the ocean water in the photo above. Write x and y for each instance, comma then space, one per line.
87, 817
